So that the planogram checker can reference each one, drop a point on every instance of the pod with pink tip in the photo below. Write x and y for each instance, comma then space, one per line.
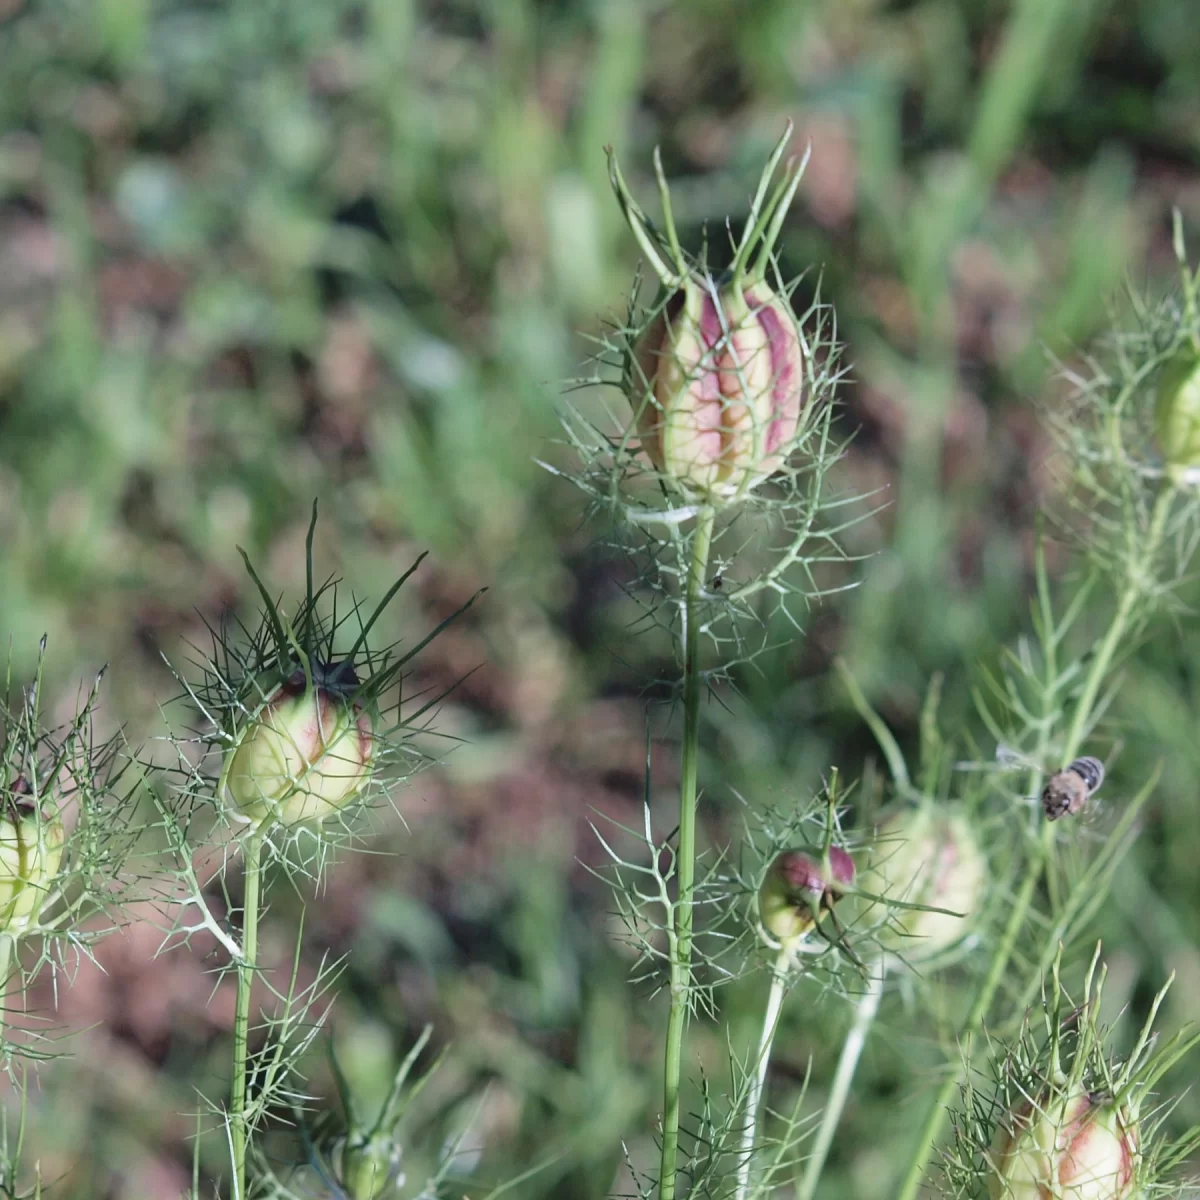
305, 754
799, 885
1065, 1147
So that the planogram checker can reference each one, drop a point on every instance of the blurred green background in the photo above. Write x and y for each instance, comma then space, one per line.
259, 253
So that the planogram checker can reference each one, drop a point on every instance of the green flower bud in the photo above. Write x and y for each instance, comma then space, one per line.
31, 848
305, 755
1177, 413
799, 884
923, 856
1065, 1148
717, 386
368, 1166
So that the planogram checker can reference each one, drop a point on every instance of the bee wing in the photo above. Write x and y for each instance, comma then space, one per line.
1007, 759
1013, 759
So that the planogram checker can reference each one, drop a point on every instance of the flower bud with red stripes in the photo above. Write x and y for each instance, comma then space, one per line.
717, 378
718, 385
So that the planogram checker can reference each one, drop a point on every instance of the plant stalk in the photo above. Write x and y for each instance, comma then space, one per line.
681, 935
852, 1048
7, 945
239, 1132
758, 1081
1077, 731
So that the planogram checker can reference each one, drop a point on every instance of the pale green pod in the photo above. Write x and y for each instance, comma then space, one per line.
1177, 414
1065, 1148
367, 1166
928, 857
306, 754
31, 849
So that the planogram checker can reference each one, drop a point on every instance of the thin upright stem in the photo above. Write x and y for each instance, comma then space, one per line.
939, 1110
1132, 593
239, 1133
1081, 721
7, 944
839, 1092
758, 1080
681, 934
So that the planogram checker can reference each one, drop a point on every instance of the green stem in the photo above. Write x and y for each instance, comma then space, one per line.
852, 1048
1081, 720
1125, 610
681, 937
7, 944
938, 1111
758, 1081
239, 1133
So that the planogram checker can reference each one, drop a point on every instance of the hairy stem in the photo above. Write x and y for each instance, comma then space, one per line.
758, 1081
852, 1048
1081, 720
681, 935
239, 1133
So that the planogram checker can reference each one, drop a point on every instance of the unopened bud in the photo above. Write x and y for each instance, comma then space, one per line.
368, 1166
305, 755
717, 379
928, 858
1177, 413
31, 848
798, 886
1075, 1147
717, 385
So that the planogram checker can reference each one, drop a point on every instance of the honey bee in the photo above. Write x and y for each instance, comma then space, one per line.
1069, 790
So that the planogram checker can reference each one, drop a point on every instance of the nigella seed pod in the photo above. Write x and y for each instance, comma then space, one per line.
1177, 414
717, 387
1074, 1147
799, 885
307, 752
716, 380
923, 857
31, 849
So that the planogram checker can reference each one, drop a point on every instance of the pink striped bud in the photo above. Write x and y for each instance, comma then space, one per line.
720, 373
1066, 1148
717, 378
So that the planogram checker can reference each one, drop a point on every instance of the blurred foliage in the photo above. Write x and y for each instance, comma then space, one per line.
252, 254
